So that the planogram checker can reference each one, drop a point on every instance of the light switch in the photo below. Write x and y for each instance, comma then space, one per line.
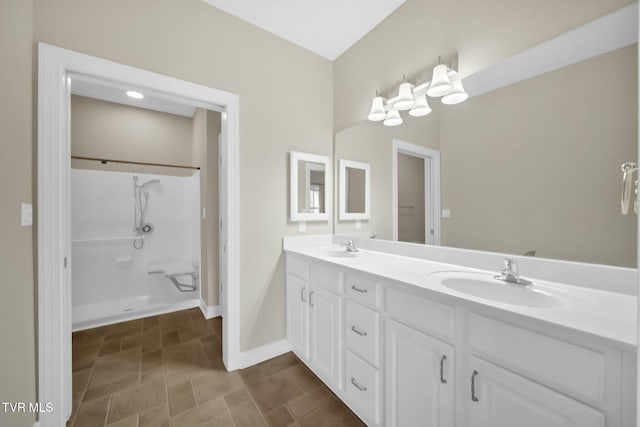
358, 224
26, 214
446, 213
302, 226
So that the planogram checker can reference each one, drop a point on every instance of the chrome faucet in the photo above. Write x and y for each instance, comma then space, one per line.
510, 274
349, 246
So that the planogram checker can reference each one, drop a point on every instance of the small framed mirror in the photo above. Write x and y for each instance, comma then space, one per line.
355, 192
310, 185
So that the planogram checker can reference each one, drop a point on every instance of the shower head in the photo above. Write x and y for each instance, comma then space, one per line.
152, 184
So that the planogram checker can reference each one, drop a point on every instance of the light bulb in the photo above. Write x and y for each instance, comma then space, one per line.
377, 112
393, 118
421, 106
440, 84
457, 94
404, 100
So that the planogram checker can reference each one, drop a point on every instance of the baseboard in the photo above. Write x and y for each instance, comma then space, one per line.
265, 352
210, 311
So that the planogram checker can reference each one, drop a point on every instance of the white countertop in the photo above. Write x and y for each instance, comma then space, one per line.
608, 315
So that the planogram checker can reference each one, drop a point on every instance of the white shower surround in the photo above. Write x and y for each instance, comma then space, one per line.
109, 276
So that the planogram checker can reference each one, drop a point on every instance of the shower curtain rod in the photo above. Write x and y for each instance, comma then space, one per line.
105, 161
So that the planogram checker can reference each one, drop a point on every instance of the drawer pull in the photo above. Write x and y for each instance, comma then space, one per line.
473, 386
358, 386
302, 294
362, 291
310, 295
362, 334
442, 380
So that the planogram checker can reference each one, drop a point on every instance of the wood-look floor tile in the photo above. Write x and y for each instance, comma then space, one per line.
92, 413
131, 421
170, 338
137, 399
150, 323
215, 384
85, 358
305, 404
80, 380
110, 346
115, 367
183, 362
278, 417
195, 314
278, 363
107, 389
174, 320
303, 377
156, 417
274, 391
251, 375
213, 413
181, 398
247, 415
331, 415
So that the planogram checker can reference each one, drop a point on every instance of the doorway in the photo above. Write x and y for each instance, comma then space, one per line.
54, 225
416, 193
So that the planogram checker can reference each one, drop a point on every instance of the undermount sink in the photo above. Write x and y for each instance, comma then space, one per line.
336, 251
484, 286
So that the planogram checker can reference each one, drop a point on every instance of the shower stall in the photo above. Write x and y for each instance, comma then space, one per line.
135, 245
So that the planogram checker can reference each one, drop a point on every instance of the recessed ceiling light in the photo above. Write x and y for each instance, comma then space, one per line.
134, 94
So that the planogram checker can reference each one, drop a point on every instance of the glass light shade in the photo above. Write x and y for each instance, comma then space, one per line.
404, 100
440, 84
393, 118
457, 94
377, 112
421, 107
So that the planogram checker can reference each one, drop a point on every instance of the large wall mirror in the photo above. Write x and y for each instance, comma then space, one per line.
529, 168
310, 187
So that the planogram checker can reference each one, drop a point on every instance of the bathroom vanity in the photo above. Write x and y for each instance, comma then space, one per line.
410, 342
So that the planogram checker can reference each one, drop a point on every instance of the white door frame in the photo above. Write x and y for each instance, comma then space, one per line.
432, 203
54, 249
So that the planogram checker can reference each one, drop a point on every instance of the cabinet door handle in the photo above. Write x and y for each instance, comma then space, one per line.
442, 380
362, 291
302, 294
358, 386
362, 334
473, 386
310, 295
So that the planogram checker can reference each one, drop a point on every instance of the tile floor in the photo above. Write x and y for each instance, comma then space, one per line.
167, 371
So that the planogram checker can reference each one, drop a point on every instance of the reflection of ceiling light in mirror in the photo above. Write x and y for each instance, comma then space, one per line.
134, 94
421, 106
457, 94
440, 84
393, 118
404, 100
223, 115
377, 112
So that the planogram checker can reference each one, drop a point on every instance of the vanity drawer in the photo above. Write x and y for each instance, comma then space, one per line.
572, 369
328, 278
363, 332
363, 290
363, 387
429, 316
297, 267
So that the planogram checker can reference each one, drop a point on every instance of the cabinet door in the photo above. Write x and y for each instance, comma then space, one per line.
298, 315
326, 334
419, 376
501, 398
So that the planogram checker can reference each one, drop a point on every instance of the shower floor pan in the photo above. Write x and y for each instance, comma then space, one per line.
89, 316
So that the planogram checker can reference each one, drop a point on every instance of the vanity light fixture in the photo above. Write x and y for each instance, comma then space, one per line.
445, 82
393, 118
134, 94
377, 112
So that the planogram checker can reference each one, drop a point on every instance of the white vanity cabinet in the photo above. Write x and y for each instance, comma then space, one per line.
314, 317
420, 378
400, 356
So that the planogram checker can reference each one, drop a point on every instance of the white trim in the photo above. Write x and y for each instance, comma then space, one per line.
433, 202
54, 280
343, 215
265, 352
294, 157
210, 311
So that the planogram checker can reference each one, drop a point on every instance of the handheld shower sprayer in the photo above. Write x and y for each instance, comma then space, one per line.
141, 204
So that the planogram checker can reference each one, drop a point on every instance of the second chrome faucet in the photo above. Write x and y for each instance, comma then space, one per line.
510, 273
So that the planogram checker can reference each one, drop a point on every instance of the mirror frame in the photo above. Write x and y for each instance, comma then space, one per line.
343, 215
295, 157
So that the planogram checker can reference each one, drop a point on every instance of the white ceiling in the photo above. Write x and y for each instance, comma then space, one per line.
326, 27
112, 92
